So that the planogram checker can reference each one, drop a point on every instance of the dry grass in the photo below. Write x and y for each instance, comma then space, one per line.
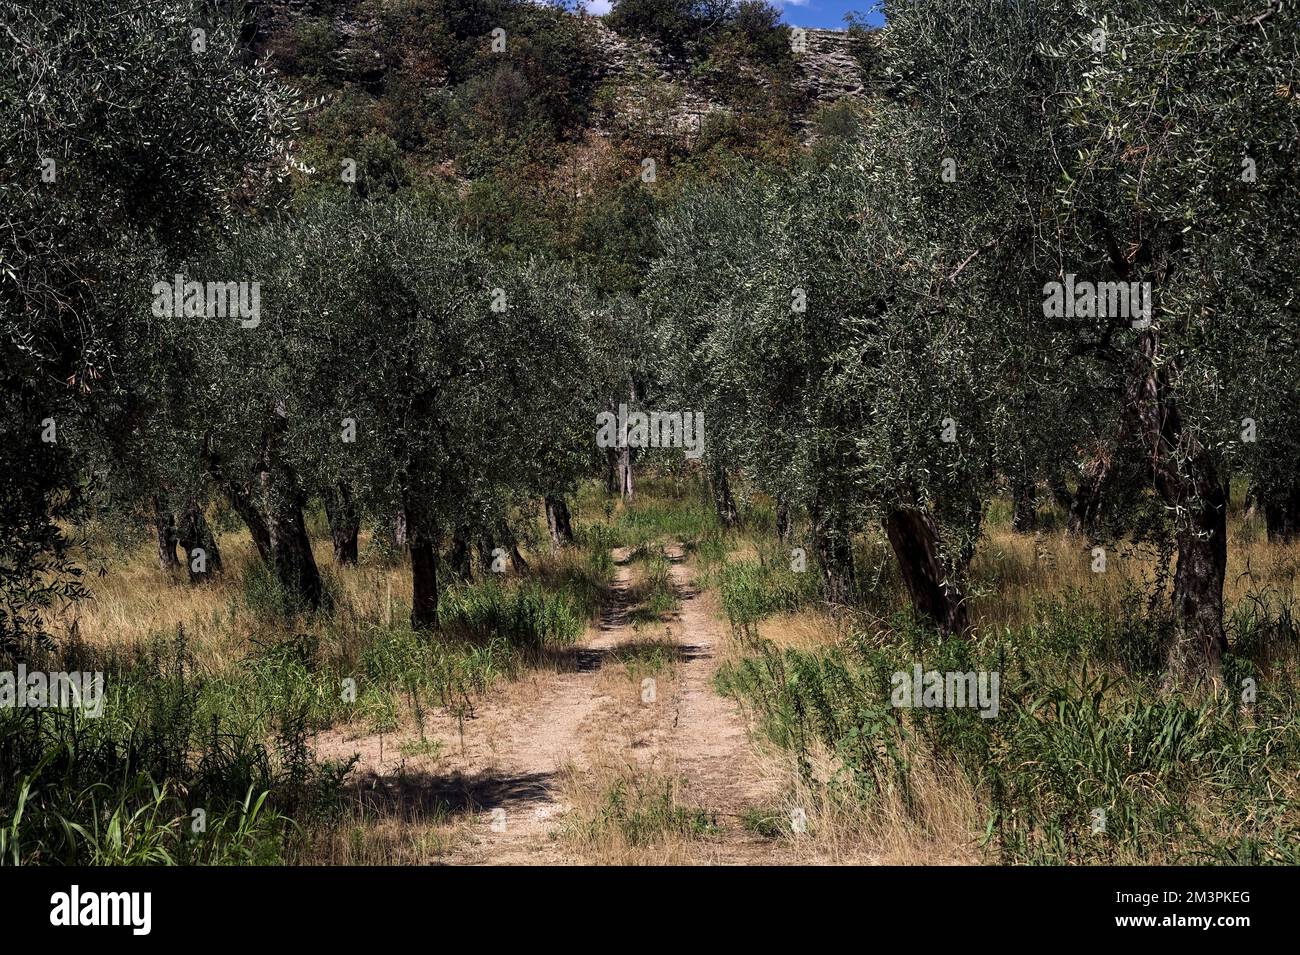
941, 817
811, 629
407, 834
136, 600
624, 805
1011, 571
625, 814
937, 826
933, 825
627, 799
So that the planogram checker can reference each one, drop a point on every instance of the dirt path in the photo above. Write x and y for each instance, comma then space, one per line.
710, 744
511, 775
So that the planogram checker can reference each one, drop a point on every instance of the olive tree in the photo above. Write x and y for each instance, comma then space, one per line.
1133, 164
95, 186
396, 366
813, 328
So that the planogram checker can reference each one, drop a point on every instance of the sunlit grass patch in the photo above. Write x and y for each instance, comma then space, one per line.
637, 817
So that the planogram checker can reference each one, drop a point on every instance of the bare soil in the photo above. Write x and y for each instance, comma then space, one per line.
510, 776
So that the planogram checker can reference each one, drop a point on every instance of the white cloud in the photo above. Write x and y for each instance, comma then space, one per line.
601, 7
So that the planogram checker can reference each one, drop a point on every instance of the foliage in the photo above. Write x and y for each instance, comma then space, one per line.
1181, 781
94, 187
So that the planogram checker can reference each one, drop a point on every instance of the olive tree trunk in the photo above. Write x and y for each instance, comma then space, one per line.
165, 531
915, 541
783, 520
345, 524
723, 501
423, 541
1024, 506
1197, 495
271, 505
558, 521
241, 497
1200, 640
613, 479
625, 485
199, 545
507, 537
460, 556
291, 554
1085, 505
834, 548
399, 531
1282, 514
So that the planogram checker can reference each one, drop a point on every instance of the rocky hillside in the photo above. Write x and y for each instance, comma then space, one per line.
541, 145
636, 82
826, 70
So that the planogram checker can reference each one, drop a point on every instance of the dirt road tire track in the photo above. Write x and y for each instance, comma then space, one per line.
514, 754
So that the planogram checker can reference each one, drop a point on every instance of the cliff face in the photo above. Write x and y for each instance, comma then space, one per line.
829, 68
825, 70
641, 85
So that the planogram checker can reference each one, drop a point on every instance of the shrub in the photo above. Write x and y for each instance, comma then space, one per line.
525, 615
1179, 780
752, 590
123, 788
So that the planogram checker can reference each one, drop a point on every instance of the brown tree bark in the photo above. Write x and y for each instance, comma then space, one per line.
1024, 506
424, 576
1200, 640
507, 537
558, 522
1252, 501
253, 519
1198, 496
914, 539
485, 548
164, 524
625, 453
291, 554
1086, 504
460, 560
613, 477
834, 550
1282, 514
723, 501
242, 499
345, 524
1186, 478
271, 505
625, 487
194, 533
783, 521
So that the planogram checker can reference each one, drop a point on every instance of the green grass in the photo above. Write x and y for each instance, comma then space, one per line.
768, 823
647, 658
642, 811
525, 615
1180, 781
124, 788
752, 590
654, 593
234, 742
1084, 721
661, 511
428, 748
